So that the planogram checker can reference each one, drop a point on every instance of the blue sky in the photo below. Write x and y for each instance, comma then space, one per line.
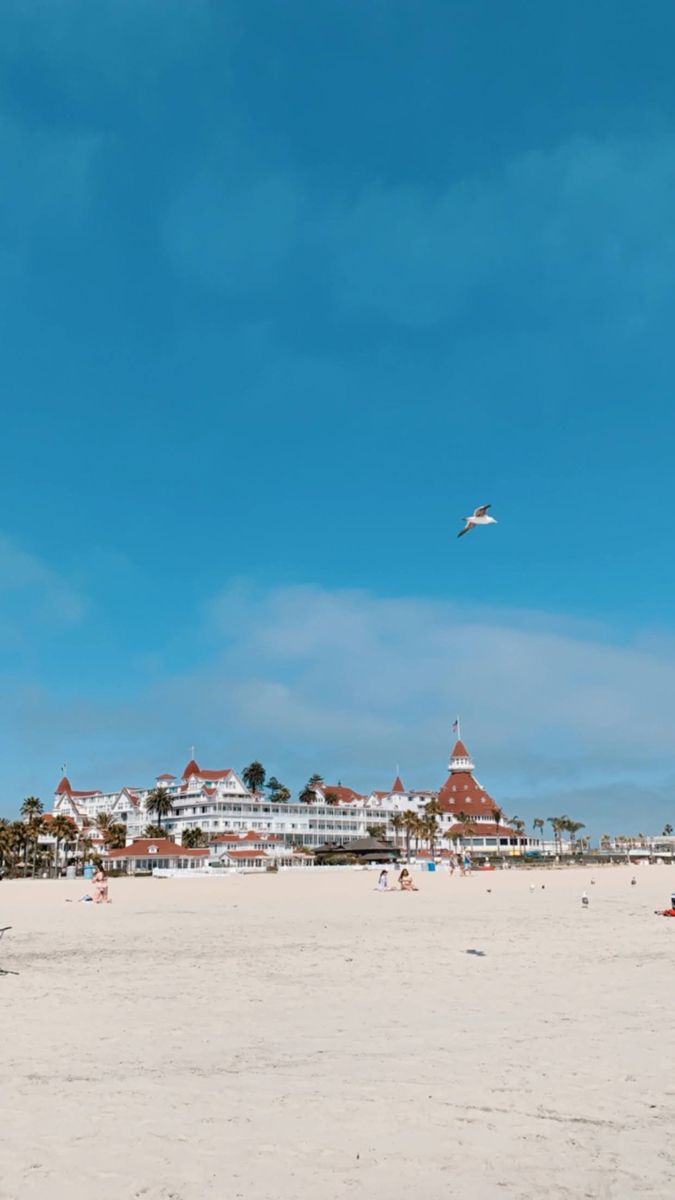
287, 290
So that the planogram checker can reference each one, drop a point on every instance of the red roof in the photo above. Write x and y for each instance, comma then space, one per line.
164, 848
486, 829
345, 795
398, 785
246, 853
166, 776
193, 768
461, 793
460, 751
64, 789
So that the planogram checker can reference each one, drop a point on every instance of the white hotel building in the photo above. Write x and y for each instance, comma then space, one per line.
220, 803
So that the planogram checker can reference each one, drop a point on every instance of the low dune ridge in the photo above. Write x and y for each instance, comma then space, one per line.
300, 1035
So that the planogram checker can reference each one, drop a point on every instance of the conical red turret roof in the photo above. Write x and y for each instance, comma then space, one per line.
191, 769
462, 793
398, 785
64, 788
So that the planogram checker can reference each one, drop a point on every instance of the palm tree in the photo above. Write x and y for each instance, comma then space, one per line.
419, 831
376, 831
278, 793
254, 776
397, 823
450, 836
468, 829
31, 808
557, 825
518, 824
408, 821
573, 827
194, 837
116, 837
431, 829
538, 825
87, 849
103, 823
497, 818
6, 841
63, 830
20, 842
465, 825
159, 802
35, 827
154, 831
432, 808
308, 794
667, 831
333, 798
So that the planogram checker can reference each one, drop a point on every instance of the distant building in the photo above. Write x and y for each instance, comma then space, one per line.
222, 806
469, 812
149, 854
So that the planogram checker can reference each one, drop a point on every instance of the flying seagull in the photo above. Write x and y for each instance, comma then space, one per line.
479, 517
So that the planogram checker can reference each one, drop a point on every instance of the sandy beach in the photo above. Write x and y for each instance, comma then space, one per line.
301, 1036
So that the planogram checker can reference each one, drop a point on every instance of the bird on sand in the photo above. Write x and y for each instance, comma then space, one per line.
479, 517
584, 900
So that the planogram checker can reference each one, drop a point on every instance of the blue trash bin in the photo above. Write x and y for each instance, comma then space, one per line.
431, 866
89, 872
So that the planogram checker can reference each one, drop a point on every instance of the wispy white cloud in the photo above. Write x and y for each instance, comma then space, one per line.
111, 44
351, 683
527, 684
33, 593
581, 230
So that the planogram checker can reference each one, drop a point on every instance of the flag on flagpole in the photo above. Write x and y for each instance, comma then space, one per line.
455, 725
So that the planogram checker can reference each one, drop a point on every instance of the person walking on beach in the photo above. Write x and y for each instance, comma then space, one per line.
468, 863
101, 886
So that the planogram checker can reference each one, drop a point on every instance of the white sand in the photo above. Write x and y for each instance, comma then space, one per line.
302, 1036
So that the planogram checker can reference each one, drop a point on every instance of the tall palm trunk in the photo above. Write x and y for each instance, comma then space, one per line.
56, 858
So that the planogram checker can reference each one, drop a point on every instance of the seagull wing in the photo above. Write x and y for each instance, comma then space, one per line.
467, 529
480, 512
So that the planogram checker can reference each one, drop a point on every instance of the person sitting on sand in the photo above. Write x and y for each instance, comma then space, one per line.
383, 882
405, 881
101, 886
